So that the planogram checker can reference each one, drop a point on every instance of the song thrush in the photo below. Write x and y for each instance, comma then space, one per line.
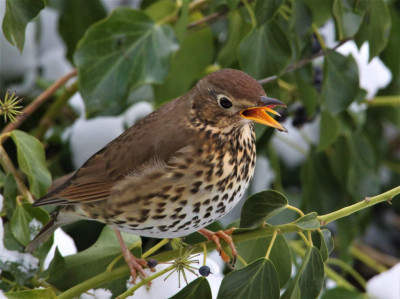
179, 169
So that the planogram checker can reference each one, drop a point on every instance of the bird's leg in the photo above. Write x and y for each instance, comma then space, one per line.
225, 235
135, 265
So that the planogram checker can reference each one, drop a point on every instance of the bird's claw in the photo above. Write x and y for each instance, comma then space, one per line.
225, 235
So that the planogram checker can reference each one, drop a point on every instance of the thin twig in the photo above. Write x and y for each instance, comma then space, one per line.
304, 61
32, 107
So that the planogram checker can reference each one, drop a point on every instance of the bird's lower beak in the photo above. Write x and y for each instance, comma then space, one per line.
259, 114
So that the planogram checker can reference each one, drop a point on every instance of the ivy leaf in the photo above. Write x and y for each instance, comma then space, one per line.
260, 207
308, 222
119, 53
10, 195
329, 130
312, 277
375, 28
33, 294
265, 11
18, 15
27, 222
75, 17
198, 288
348, 19
280, 255
32, 162
265, 51
339, 71
257, 280
323, 241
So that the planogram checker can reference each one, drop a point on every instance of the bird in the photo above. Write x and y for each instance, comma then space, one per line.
174, 172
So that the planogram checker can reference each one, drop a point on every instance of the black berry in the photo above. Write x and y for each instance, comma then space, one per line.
204, 271
151, 263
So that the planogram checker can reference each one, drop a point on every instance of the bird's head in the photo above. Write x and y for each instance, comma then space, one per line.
230, 98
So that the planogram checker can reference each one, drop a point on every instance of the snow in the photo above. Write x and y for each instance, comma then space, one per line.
96, 294
162, 288
65, 244
34, 227
385, 285
26, 262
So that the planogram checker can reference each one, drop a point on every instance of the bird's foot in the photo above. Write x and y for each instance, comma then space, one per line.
226, 236
135, 264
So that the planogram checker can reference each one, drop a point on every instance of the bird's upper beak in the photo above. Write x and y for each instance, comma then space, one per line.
259, 114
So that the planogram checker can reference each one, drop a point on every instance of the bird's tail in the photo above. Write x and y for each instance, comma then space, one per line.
44, 234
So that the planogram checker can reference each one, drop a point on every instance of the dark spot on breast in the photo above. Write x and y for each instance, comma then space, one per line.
160, 210
178, 209
161, 204
144, 212
178, 175
183, 216
215, 198
206, 202
209, 209
221, 204
196, 210
131, 219
198, 173
159, 217
163, 228
225, 197
183, 166
208, 214
208, 187
183, 202
175, 198
166, 188
180, 189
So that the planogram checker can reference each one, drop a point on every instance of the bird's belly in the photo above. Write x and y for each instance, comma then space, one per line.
205, 208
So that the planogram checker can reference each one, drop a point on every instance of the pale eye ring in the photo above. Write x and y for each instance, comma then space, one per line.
224, 102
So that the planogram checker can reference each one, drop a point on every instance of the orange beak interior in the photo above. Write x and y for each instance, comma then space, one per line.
260, 115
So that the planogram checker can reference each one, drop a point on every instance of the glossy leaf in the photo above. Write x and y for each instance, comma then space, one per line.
321, 10
265, 51
10, 194
187, 66
265, 11
322, 240
329, 130
18, 15
375, 28
339, 71
347, 18
257, 280
160, 9
33, 294
260, 207
118, 54
31, 160
94, 260
312, 277
280, 255
308, 222
27, 222
197, 289
75, 17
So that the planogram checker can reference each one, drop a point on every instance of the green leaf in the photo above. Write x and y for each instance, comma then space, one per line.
181, 24
10, 194
265, 51
329, 130
280, 255
375, 28
309, 278
348, 19
237, 30
33, 294
308, 94
257, 280
312, 277
260, 207
197, 289
159, 10
265, 11
342, 293
94, 260
188, 65
27, 222
341, 84
32, 162
75, 17
119, 53
308, 222
321, 10
18, 15
324, 242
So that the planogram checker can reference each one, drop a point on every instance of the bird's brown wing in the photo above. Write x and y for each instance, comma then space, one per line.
155, 138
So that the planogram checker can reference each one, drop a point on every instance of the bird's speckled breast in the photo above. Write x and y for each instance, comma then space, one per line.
197, 187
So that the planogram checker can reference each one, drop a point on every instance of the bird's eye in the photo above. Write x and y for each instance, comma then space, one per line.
225, 103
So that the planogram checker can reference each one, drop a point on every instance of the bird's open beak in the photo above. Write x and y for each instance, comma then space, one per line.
259, 114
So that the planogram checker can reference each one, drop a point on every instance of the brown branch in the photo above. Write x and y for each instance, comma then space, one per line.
36, 103
304, 61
